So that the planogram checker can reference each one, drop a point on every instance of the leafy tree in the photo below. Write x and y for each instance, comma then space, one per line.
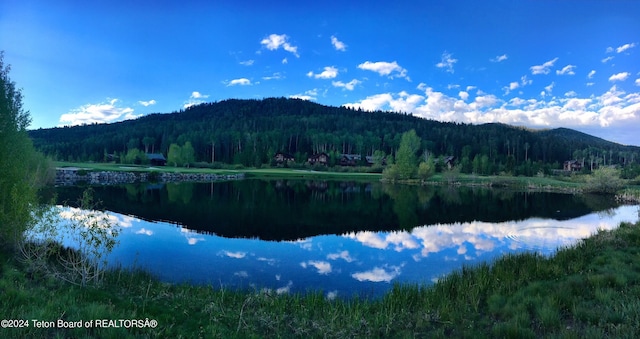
406, 159
426, 169
135, 156
174, 156
187, 154
476, 164
18, 177
379, 158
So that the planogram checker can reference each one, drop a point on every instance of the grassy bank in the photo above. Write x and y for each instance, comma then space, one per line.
590, 290
527, 183
276, 173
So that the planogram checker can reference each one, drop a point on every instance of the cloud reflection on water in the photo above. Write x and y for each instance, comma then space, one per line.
377, 274
544, 235
345, 264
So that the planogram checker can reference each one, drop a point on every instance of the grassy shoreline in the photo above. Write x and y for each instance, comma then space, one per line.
589, 290
526, 183
569, 185
278, 173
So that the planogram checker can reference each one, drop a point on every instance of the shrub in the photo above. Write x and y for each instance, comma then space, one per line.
605, 180
92, 232
391, 173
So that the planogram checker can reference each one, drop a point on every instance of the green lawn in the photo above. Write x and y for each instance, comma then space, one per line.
250, 172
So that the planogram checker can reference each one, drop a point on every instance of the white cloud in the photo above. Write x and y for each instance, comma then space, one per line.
591, 74
235, 255
285, 289
403, 103
311, 94
285, 61
144, 231
377, 275
240, 82
323, 267
511, 87
391, 69
105, 112
613, 108
275, 41
544, 68
348, 86
198, 95
568, 69
499, 58
463, 95
247, 62
619, 76
147, 103
549, 88
609, 50
337, 44
340, 255
195, 99
275, 76
329, 72
637, 82
607, 59
625, 47
331, 295
447, 61
369, 238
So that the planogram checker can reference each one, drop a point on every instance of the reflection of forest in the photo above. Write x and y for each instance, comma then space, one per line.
294, 209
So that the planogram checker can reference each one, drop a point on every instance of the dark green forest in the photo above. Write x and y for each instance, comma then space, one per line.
250, 132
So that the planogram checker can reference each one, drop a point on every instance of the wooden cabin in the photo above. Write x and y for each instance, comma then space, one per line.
350, 159
320, 158
156, 159
281, 158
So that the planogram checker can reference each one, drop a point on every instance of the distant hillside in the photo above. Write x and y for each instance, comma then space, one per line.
250, 132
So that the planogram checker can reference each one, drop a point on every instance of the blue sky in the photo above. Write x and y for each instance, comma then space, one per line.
539, 64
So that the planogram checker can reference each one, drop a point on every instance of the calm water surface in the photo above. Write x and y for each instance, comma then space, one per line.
343, 238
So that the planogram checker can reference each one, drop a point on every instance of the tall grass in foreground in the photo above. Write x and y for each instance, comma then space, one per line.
590, 290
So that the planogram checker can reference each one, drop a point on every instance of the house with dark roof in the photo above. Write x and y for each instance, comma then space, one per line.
319, 158
449, 161
156, 159
572, 166
349, 159
371, 160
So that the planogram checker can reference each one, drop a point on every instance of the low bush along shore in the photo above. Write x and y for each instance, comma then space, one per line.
590, 290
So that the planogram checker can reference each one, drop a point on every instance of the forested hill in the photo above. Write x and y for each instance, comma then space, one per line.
250, 132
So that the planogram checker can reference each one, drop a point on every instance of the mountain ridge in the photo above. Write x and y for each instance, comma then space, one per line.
250, 131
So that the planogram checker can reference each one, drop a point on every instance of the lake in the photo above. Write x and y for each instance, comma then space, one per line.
344, 238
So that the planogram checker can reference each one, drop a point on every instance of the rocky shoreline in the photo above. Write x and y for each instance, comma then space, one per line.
73, 176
